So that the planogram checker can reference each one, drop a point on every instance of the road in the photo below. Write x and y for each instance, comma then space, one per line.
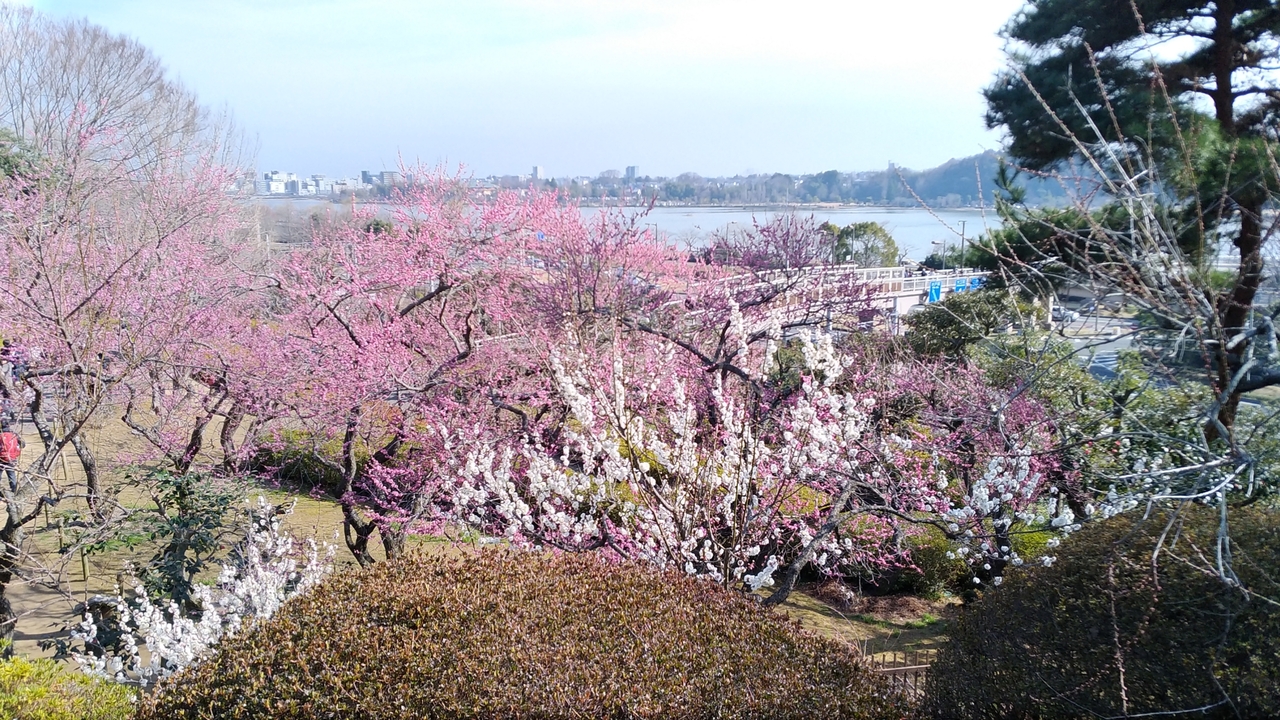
1099, 340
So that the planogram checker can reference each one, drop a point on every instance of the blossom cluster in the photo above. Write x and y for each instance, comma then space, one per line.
157, 640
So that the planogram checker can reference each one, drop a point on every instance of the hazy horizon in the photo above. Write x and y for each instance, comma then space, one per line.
579, 87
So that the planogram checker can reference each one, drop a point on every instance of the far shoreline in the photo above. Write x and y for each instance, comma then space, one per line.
737, 207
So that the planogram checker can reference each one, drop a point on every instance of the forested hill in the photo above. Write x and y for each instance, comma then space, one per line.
954, 183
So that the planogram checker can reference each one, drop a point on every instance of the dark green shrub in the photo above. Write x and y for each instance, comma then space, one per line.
46, 690
932, 574
294, 461
190, 522
961, 320
505, 634
1106, 632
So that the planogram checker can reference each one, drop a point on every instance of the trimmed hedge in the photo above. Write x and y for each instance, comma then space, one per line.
505, 634
1047, 644
46, 690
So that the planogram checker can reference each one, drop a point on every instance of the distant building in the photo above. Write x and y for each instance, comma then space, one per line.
538, 174
347, 185
366, 177
632, 172
392, 177
277, 183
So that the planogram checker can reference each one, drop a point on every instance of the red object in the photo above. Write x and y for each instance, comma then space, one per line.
9, 449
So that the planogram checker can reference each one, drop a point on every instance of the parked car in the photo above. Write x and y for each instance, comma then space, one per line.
1061, 314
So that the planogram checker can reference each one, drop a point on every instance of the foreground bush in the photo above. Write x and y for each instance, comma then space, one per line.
45, 690
1105, 633
501, 634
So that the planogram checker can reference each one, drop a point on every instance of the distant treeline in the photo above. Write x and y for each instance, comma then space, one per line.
964, 182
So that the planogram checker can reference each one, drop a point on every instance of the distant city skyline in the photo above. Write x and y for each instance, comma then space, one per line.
577, 87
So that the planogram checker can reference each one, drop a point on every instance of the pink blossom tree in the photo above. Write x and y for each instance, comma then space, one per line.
663, 421
373, 328
507, 366
106, 270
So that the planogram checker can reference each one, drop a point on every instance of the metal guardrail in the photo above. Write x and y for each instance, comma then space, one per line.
885, 280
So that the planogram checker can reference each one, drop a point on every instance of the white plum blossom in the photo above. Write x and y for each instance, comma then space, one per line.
265, 574
764, 578
650, 483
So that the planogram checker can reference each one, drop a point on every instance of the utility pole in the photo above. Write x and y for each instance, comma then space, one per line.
962, 222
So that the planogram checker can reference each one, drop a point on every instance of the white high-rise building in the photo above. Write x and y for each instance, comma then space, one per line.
537, 173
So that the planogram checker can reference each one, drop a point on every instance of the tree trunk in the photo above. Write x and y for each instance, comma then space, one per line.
43, 427
792, 573
92, 478
195, 443
1249, 240
10, 539
8, 622
1249, 278
1223, 66
11, 535
227, 437
356, 532
1235, 315
393, 541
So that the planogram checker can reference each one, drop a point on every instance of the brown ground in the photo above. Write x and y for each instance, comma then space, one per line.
875, 625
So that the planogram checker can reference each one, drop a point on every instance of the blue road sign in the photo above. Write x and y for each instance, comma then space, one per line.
935, 291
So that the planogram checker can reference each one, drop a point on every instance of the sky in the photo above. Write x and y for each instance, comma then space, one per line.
716, 87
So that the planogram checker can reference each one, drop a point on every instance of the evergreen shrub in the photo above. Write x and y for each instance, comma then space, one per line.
501, 633
292, 460
46, 690
1106, 631
932, 574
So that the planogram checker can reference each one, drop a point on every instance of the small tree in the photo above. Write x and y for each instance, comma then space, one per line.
1184, 184
867, 244
950, 327
374, 327
265, 568
62, 80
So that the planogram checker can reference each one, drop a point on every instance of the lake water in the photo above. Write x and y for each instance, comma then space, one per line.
915, 229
